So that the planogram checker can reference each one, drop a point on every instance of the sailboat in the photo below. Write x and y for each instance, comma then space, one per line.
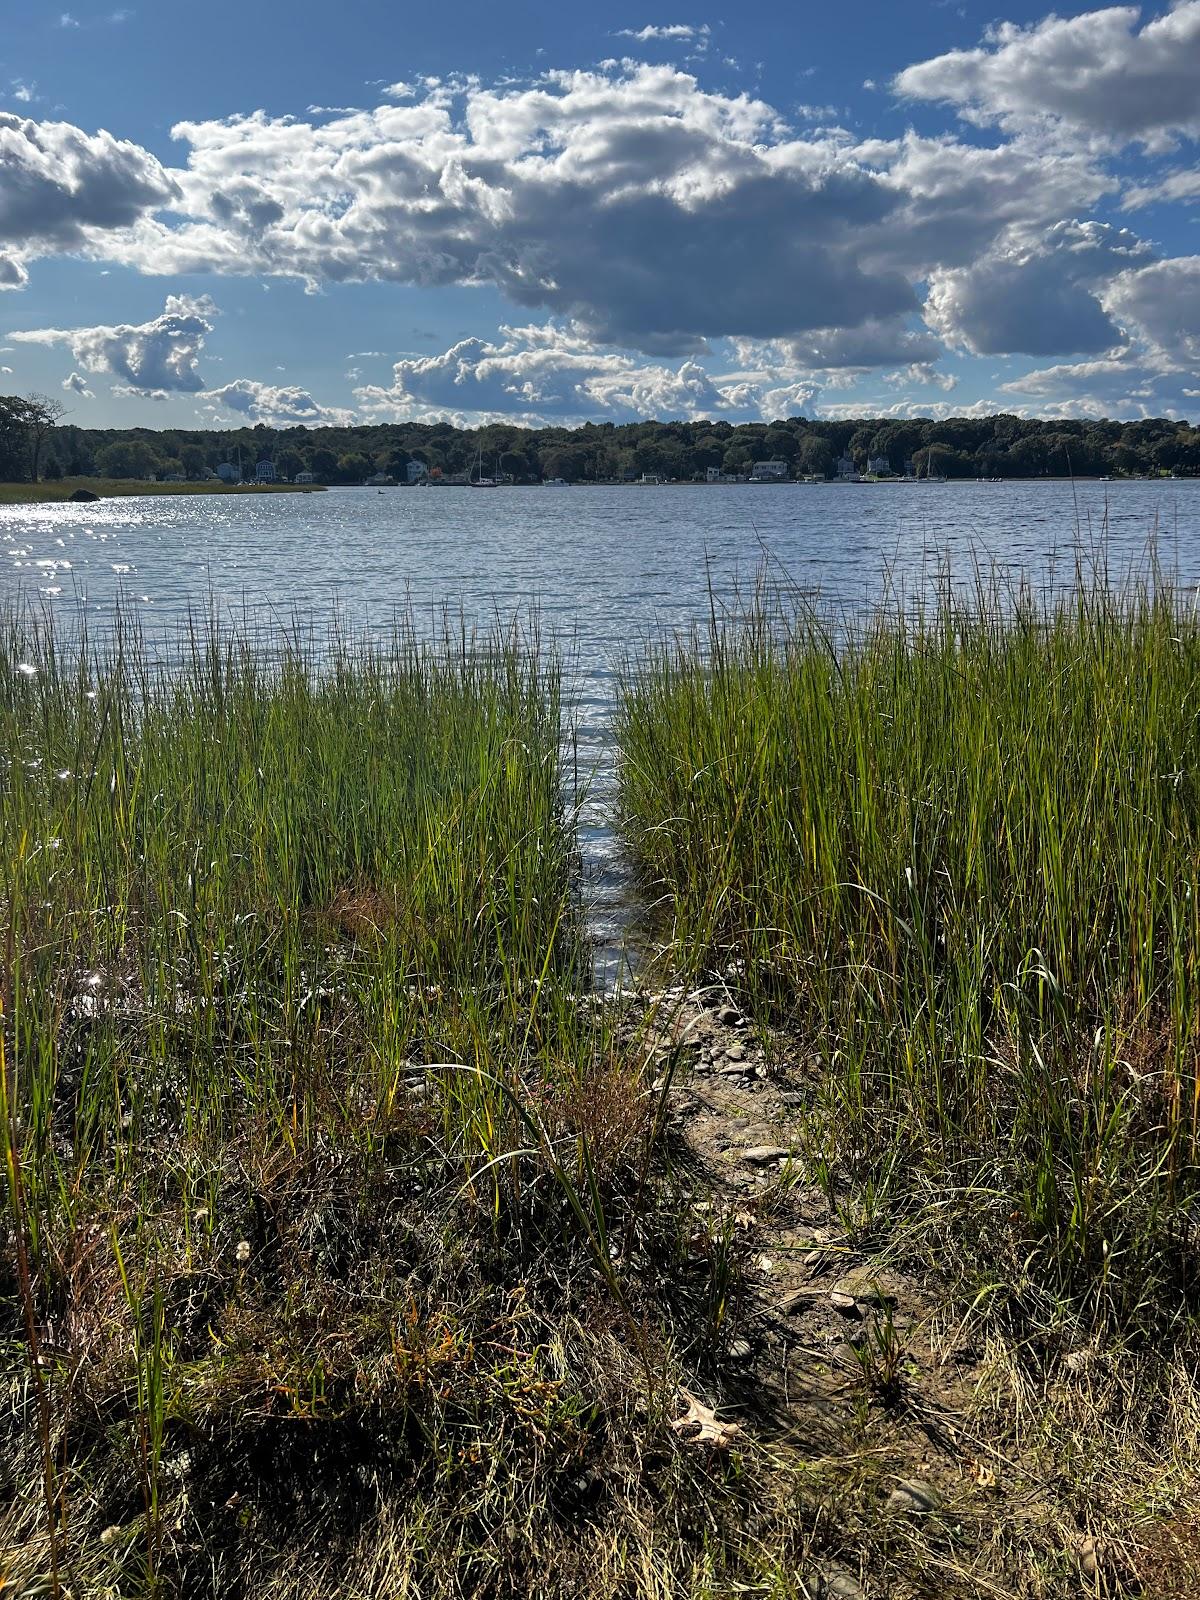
479, 481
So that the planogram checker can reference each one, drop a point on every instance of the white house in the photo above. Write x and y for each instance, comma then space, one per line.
769, 472
879, 467
416, 471
304, 477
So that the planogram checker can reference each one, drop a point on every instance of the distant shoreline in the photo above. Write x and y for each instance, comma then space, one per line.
60, 490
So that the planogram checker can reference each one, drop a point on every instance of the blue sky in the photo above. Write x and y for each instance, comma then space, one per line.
259, 212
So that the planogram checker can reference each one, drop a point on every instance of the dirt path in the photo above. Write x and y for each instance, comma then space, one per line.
833, 1352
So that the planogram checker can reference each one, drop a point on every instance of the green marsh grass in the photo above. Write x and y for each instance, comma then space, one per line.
955, 847
330, 1261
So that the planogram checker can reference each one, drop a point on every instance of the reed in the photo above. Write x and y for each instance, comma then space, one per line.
953, 845
324, 1179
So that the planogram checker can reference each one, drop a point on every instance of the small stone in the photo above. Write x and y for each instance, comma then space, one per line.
838, 1583
760, 1155
912, 1497
735, 1069
740, 1350
845, 1303
1089, 1560
736, 1051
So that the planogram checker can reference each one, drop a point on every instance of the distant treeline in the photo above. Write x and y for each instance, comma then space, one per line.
957, 447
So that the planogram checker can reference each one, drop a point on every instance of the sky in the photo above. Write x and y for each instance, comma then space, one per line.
547, 214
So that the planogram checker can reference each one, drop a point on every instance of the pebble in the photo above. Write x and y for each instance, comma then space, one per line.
845, 1303
740, 1350
913, 1498
736, 1051
759, 1155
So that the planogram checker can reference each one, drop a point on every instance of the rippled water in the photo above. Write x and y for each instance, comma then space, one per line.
604, 566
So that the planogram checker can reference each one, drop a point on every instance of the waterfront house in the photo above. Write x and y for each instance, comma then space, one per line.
264, 472
229, 473
304, 477
769, 472
879, 467
417, 471
846, 470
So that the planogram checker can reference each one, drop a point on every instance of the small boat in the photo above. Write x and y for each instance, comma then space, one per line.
555, 483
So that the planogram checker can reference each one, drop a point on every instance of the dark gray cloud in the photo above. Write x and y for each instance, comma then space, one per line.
651, 213
1042, 300
58, 184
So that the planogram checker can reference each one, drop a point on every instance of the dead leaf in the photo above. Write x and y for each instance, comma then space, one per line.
699, 1425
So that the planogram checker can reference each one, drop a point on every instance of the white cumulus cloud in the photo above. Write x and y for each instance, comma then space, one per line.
1098, 73
152, 359
278, 406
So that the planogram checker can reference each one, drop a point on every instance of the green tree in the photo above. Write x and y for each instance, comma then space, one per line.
192, 459
354, 467
814, 456
128, 458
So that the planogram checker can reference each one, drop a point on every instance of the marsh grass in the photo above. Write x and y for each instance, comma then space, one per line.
954, 845
13, 494
333, 1246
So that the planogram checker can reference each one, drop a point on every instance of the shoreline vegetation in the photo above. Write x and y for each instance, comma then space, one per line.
62, 489
352, 1244
36, 443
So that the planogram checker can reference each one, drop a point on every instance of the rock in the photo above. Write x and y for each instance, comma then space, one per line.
1089, 1560
730, 1016
736, 1051
838, 1583
845, 1303
736, 1069
760, 1155
912, 1497
740, 1350
84, 496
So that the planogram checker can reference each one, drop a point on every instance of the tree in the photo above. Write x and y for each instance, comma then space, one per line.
354, 467
192, 460
14, 451
815, 458
128, 458
41, 414
324, 464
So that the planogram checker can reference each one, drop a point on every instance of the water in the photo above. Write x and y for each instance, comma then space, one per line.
605, 566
